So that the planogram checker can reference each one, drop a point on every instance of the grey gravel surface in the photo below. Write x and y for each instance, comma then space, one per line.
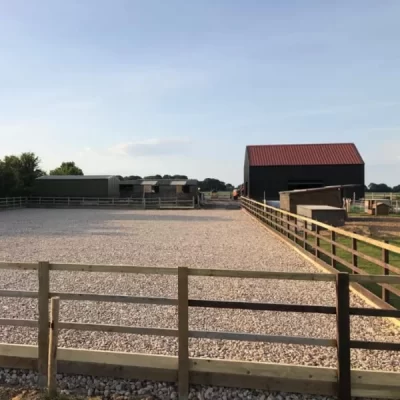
92, 388
195, 238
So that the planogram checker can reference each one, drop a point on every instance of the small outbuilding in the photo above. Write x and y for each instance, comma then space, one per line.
184, 189
381, 208
333, 216
325, 196
99, 186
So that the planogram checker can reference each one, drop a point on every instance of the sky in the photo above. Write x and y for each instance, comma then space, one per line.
181, 87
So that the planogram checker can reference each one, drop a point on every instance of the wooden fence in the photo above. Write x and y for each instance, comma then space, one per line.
7, 203
90, 202
343, 381
378, 195
337, 249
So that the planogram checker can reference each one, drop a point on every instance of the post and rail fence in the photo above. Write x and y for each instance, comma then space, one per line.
342, 381
94, 202
337, 250
7, 203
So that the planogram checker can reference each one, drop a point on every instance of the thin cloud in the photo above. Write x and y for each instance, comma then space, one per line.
152, 147
337, 109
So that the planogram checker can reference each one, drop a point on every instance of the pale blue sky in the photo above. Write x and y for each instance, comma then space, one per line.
145, 87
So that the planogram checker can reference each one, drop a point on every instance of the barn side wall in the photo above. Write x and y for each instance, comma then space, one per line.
275, 179
72, 188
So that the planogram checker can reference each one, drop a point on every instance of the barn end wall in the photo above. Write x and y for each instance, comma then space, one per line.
275, 179
246, 177
113, 187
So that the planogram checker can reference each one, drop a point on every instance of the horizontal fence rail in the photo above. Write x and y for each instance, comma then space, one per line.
107, 202
343, 382
8, 203
139, 203
338, 249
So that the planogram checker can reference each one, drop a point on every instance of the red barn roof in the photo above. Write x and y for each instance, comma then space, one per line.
304, 154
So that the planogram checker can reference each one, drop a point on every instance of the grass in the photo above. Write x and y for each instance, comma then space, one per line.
367, 266
364, 214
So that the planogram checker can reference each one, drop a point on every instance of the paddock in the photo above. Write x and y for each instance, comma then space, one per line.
196, 239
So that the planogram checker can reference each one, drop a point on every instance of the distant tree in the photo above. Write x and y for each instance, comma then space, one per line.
380, 187
229, 187
18, 174
396, 188
153, 177
178, 177
167, 177
29, 171
67, 168
132, 177
8, 180
212, 184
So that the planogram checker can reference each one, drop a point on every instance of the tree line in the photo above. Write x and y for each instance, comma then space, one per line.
18, 174
382, 188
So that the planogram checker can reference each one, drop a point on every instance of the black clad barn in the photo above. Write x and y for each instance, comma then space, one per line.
276, 168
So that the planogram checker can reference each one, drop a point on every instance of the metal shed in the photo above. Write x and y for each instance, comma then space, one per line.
77, 186
271, 169
182, 188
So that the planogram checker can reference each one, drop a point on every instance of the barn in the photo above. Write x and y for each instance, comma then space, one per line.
77, 186
270, 169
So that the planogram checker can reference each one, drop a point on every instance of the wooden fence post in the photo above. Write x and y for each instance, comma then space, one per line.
288, 226
343, 335
353, 256
53, 342
385, 259
333, 249
317, 241
305, 236
43, 335
183, 333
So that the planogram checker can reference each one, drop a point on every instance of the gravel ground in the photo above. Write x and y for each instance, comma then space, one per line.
196, 238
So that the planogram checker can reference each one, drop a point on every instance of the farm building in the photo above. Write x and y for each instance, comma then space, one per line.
184, 189
271, 169
77, 186
325, 196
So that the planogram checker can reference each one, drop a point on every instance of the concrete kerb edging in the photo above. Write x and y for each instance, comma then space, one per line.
394, 321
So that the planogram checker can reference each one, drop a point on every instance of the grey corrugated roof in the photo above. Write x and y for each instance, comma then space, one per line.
150, 183
160, 182
178, 183
77, 177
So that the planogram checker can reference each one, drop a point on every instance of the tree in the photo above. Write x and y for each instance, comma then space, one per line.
29, 171
67, 168
396, 189
132, 178
18, 174
380, 187
153, 177
210, 184
179, 177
